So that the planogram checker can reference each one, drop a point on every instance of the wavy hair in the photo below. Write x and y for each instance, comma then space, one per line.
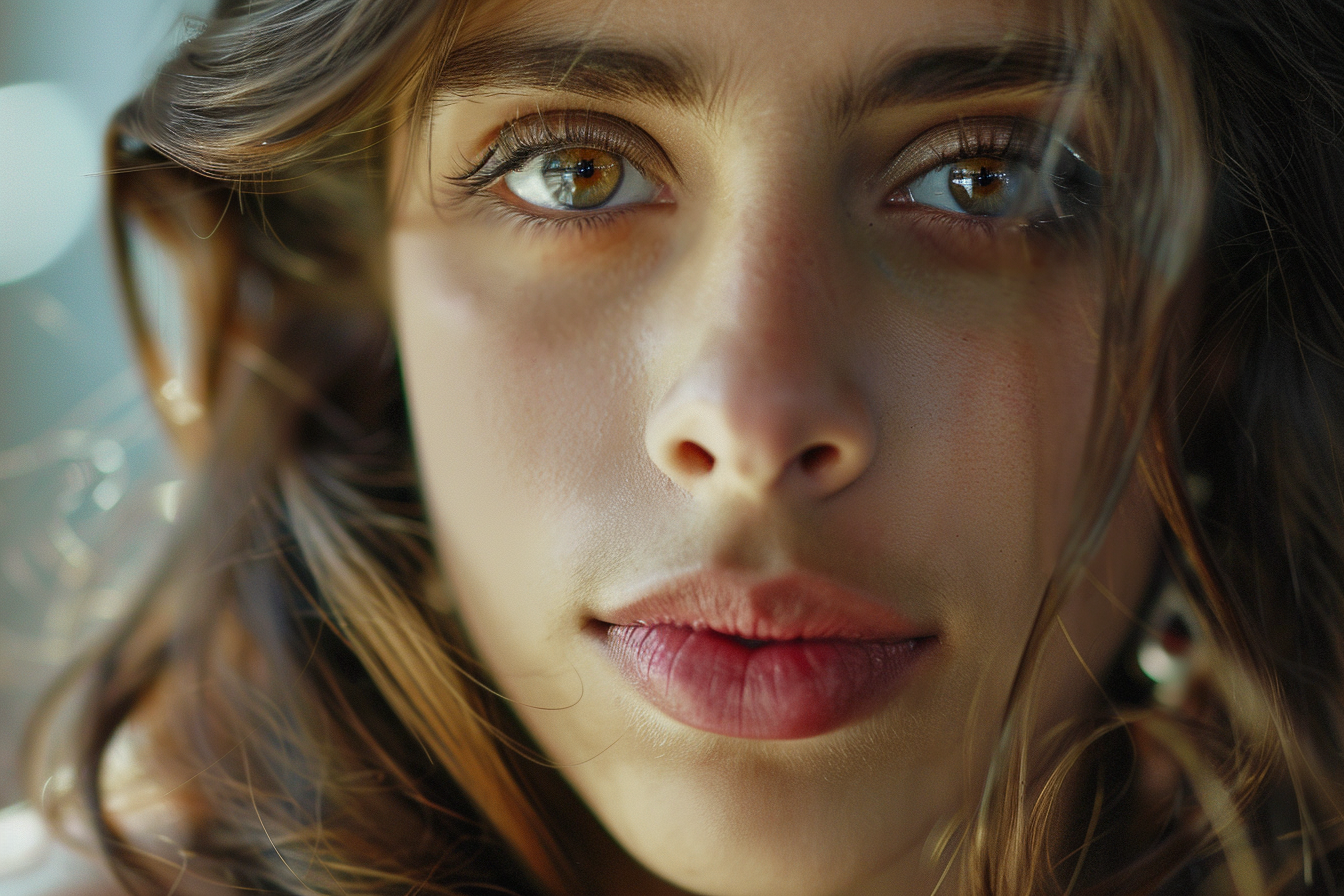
291, 660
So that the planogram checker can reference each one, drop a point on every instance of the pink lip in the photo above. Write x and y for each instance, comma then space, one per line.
777, 659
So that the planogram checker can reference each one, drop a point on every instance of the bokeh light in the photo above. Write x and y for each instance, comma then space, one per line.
49, 153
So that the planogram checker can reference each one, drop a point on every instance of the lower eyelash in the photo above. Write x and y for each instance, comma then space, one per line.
983, 243
529, 223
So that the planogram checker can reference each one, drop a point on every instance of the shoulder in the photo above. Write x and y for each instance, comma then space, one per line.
33, 862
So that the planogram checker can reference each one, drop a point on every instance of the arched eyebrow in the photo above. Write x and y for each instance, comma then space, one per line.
523, 60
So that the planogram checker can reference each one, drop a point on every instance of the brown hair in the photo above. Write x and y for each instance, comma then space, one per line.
291, 663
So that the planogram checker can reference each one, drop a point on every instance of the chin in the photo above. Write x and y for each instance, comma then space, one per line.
846, 814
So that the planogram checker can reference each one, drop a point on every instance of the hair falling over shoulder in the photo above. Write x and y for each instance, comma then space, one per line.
292, 673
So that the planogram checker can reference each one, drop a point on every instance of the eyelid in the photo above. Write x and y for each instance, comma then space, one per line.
523, 139
1004, 138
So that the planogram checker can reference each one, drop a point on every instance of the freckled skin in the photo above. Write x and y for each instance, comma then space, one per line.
770, 303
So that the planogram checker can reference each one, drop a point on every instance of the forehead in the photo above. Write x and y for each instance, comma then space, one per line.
709, 51
747, 25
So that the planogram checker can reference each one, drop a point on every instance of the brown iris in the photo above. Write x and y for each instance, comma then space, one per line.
983, 186
581, 177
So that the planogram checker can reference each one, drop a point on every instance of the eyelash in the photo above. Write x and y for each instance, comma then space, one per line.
1072, 186
993, 138
523, 140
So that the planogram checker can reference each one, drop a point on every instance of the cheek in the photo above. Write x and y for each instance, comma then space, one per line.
988, 420
524, 413
502, 377
985, 398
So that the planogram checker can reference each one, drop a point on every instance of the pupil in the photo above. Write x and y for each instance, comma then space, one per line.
579, 178
983, 186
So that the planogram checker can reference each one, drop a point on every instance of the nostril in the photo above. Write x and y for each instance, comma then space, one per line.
694, 459
818, 457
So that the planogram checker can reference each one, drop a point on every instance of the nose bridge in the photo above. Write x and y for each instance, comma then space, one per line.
771, 279
763, 397
772, 357
761, 289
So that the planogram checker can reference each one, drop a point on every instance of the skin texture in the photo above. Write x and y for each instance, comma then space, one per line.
771, 295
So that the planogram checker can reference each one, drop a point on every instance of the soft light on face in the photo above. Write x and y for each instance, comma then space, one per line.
750, 369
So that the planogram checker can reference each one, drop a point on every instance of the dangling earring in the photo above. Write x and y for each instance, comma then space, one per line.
1170, 644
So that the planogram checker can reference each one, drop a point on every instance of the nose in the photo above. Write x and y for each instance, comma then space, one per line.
765, 400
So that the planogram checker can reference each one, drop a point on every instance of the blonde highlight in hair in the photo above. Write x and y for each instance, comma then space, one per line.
318, 559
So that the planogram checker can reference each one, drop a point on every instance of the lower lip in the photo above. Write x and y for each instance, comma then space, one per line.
773, 690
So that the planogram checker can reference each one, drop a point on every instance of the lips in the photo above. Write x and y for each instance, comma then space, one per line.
779, 659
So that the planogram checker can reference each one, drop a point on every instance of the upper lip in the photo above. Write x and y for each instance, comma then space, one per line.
795, 606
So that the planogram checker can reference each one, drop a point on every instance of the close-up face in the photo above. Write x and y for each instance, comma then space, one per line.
751, 350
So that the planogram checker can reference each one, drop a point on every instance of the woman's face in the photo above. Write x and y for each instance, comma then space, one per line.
750, 349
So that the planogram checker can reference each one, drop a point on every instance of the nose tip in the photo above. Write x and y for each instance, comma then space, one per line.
765, 387
807, 445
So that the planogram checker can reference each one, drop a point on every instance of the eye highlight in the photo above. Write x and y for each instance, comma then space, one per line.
979, 186
996, 168
548, 165
579, 178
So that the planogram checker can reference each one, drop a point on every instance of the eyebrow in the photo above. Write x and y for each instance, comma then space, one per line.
523, 60
948, 73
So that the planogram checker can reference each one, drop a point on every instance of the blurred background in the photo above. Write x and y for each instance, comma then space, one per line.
86, 486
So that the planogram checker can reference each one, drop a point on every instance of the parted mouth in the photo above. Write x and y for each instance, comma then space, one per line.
795, 606
789, 657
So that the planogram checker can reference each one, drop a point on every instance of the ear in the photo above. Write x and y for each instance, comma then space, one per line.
176, 245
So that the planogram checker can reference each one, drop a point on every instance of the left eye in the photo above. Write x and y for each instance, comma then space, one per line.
579, 179
983, 186
993, 187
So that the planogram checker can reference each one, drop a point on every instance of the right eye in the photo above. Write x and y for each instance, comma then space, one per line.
579, 178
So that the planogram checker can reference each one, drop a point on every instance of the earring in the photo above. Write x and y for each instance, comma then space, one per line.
1169, 645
